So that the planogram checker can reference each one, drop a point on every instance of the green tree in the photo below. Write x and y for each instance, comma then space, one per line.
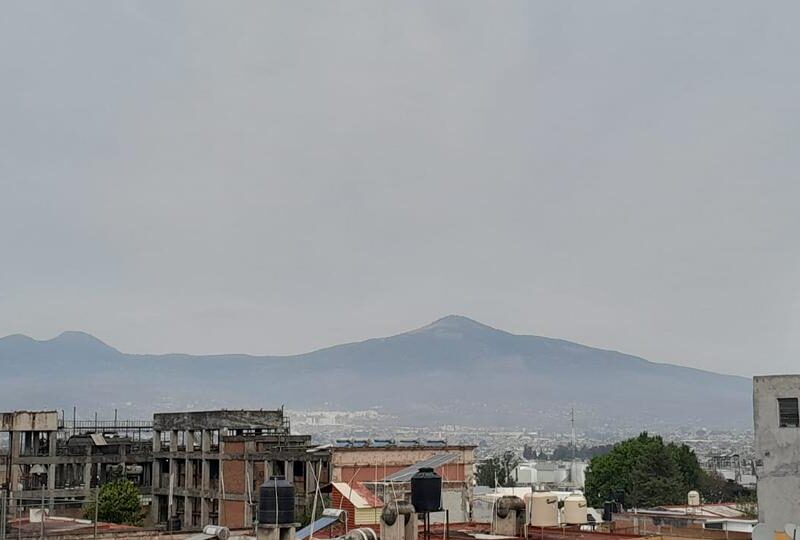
117, 502
498, 469
488, 472
716, 489
748, 505
647, 471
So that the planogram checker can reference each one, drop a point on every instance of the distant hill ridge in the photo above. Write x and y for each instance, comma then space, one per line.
454, 370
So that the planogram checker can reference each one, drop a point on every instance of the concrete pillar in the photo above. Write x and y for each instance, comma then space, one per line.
173, 441
51, 485
15, 450
311, 470
154, 509
155, 481
156, 441
87, 478
123, 454
205, 476
173, 464
15, 443
205, 441
187, 512
53, 450
203, 511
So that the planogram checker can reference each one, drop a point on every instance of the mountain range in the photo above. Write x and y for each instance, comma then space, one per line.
452, 371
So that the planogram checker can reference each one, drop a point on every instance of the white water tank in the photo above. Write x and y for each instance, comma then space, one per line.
575, 509
693, 498
544, 509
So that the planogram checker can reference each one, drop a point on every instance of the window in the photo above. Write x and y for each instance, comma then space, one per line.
788, 413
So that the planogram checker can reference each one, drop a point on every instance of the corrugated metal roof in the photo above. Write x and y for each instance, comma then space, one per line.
98, 439
322, 523
404, 475
712, 510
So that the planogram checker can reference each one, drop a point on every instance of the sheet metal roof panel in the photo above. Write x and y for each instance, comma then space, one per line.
404, 475
322, 523
358, 495
98, 439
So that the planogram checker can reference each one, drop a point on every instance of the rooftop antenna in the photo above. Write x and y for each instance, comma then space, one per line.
572, 422
574, 445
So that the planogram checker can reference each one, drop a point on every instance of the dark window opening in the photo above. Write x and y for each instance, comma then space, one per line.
788, 412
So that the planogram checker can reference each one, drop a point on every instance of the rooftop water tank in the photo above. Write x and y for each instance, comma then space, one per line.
608, 511
276, 501
174, 523
575, 509
544, 509
693, 498
426, 491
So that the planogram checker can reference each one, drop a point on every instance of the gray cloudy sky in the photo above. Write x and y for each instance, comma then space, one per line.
276, 177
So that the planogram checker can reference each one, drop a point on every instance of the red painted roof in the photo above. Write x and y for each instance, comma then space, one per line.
358, 495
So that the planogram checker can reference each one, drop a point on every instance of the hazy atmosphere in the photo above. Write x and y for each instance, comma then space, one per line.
269, 178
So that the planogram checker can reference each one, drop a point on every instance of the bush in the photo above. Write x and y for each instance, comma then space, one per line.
118, 502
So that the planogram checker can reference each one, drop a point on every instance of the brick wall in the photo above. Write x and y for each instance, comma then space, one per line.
233, 475
233, 514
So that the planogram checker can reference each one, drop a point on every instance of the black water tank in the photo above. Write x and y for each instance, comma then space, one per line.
608, 511
426, 491
174, 523
276, 501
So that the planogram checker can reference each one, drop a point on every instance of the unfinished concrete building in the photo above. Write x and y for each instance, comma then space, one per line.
208, 466
192, 468
65, 462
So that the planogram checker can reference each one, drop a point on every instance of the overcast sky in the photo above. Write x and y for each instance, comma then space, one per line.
273, 178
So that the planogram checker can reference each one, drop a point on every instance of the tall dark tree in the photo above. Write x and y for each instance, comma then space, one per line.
498, 469
528, 452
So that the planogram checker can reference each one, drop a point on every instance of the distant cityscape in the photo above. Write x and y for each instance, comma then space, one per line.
729, 452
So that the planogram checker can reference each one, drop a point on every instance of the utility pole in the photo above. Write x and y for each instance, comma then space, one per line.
41, 524
572, 474
96, 507
3, 518
572, 422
